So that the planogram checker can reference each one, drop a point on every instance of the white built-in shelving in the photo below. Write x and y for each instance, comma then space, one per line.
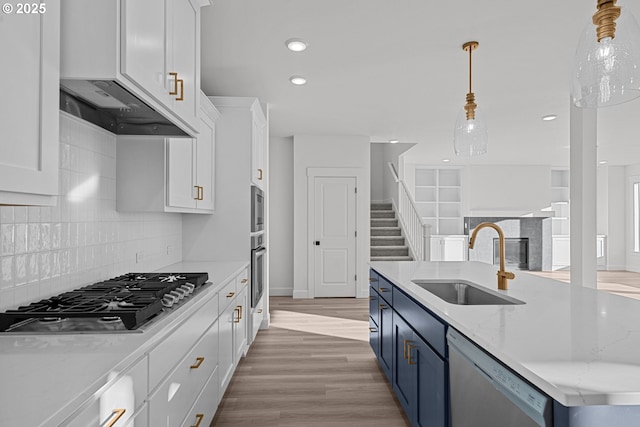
438, 197
560, 202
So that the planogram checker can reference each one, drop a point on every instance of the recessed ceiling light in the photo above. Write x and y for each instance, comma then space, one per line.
393, 141
296, 45
603, 162
298, 80
446, 160
549, 117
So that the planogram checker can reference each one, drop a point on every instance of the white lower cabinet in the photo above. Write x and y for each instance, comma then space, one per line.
119, 404
181, 379
169, 404
449, 248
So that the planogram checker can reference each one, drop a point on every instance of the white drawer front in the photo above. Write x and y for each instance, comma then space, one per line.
170, 403
166, 355
204, 409
226, 295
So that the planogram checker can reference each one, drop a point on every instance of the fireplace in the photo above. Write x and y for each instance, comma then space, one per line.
516, 251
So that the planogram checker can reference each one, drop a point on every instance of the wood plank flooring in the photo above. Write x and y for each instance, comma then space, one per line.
624, 283
313, 368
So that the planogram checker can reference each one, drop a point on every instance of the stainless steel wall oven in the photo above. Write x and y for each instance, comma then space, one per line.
257, 209
258, 252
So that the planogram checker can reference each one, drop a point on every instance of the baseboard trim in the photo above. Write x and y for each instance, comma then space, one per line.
300, 294
280, 292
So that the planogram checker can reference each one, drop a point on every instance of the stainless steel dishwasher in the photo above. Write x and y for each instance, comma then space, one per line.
486, 393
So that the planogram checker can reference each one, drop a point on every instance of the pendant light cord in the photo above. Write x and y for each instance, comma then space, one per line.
470, 49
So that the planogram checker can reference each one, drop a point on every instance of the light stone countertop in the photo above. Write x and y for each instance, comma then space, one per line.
44, 378
580, 346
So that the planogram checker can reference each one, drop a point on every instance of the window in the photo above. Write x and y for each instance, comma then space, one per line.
636, 216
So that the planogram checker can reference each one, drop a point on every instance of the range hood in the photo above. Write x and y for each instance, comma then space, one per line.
109, 105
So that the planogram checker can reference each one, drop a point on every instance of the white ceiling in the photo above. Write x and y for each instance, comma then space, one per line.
396, 69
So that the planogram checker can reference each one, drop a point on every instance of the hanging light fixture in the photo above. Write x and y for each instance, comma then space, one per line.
470, 134
607, 62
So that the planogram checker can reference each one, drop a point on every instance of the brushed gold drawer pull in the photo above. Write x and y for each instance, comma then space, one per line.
383, 307
409, 348
239, 312
196, 365
116, 415
197, 187
181, 83
175, 83
260, 311
383, 289
244, 280
237, 318
199, 418
371, 298
373, 330
260, 174
230, 294
200, 192
404, 348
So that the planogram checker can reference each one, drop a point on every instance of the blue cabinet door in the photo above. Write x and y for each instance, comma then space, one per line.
374, 305
431, 394
404, 381
374, 337
385, 325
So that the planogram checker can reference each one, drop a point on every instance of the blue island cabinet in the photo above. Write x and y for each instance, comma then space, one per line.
416, 366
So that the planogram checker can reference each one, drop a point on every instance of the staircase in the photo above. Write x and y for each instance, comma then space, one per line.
387, 242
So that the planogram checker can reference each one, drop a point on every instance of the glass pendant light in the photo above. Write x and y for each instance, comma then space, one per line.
607, 62
470, 135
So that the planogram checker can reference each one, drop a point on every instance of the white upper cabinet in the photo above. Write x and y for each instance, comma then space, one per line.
169, 174
257, 148
29, 136
149, 47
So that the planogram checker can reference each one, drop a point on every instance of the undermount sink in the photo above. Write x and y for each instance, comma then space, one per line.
464, 293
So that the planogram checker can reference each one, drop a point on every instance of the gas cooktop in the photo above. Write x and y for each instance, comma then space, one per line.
123, 303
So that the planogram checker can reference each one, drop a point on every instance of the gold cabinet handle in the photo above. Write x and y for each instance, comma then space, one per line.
239, 312
371, 298
199, 418
260, 174
373, 330
175, 83
181, 83
409, 347
230, 294
200, 192
383, 289
197, 187
115, 416
196, 365
244, 280
237, 319
383, 307
404, 348
260, 311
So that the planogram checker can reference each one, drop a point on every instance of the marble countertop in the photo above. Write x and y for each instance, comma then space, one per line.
43, 378
579, 345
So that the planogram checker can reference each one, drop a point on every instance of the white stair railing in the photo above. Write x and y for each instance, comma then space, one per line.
415, 230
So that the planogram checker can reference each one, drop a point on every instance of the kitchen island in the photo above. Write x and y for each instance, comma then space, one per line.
52, 380
579, 346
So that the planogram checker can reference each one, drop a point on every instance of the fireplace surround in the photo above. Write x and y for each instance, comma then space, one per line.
532, 232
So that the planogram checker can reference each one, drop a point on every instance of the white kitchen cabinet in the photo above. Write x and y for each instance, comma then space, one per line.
257, 315
449, 248
173, 174
257, 148
119, 404
149, 47
29, 136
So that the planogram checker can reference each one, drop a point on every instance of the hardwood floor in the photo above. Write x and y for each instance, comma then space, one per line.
313, 368
624, 283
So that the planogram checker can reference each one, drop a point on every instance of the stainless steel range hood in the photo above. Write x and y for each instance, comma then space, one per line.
109, 105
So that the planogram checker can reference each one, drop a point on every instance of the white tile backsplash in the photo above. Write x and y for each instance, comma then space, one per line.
83, 239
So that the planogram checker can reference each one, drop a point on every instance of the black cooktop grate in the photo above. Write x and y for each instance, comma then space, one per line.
133, 298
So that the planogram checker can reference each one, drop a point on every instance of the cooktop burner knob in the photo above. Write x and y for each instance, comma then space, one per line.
168, 300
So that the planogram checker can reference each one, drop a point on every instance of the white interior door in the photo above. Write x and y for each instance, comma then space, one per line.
334, 236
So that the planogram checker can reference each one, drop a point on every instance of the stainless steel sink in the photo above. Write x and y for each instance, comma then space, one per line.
465, 293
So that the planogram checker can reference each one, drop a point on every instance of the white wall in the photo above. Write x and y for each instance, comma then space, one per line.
616, 231
281, 216
330, 152
83, 239
496, 188
632, 258
378, 169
